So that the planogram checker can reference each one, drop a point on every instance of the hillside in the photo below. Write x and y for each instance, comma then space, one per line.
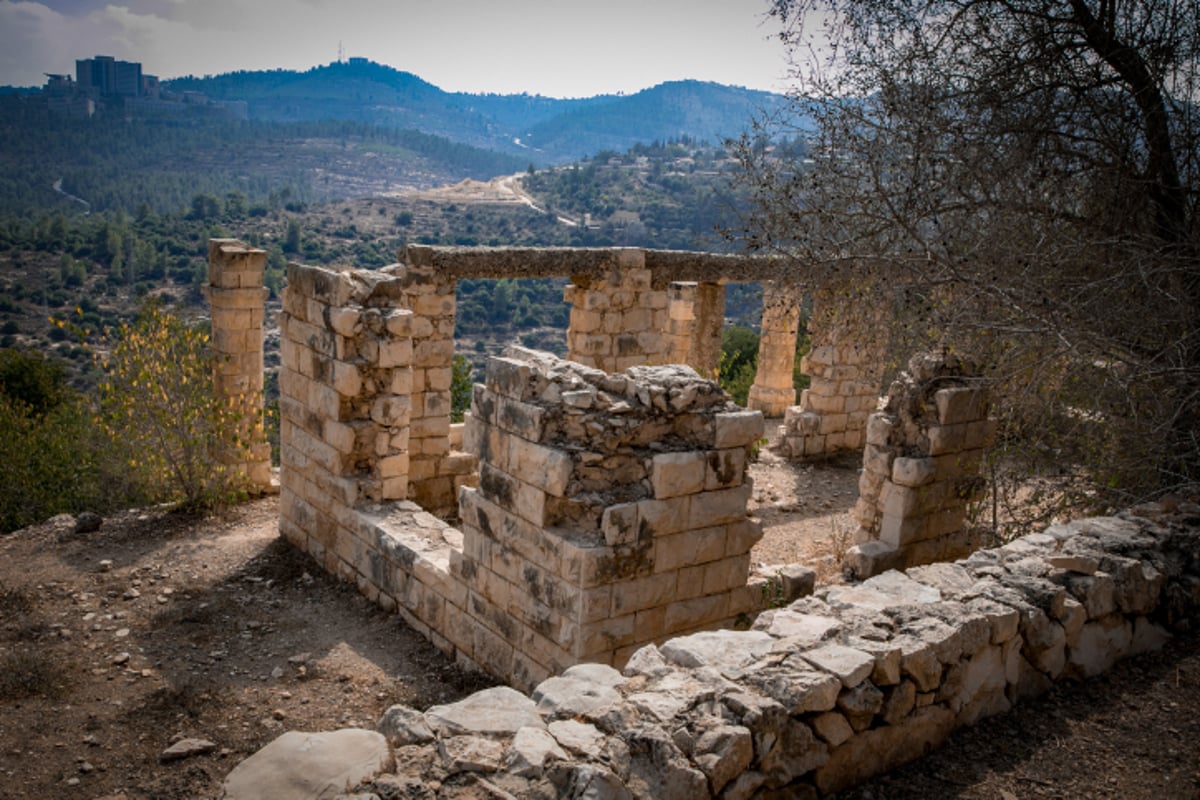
544, 130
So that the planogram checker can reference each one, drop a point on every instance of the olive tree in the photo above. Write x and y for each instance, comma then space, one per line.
1020, 178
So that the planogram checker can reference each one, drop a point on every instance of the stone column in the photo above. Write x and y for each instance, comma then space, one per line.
773, 390
435, 471
618, 321
710, 322
681, 321
236, 296
921, 467
848, 337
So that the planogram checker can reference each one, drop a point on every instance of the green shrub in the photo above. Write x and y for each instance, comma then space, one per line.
159, 411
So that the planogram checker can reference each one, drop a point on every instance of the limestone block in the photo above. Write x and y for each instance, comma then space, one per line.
897, 530
742, 535
675, 474
643, 593
620, 524
523, 419
718, 507
686, 614
696, 546
661, 517
346, 379
832, 727
737, 428
300, 764
544, 467
960, 404
913, 472
879, 430
849, 665
1101, 643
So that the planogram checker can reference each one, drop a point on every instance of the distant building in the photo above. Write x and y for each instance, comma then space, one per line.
104, 76
103, 83
63, 97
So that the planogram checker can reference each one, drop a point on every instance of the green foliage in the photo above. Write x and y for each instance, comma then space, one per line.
739, 361
46, 461
157, 399
460, 388
29, 379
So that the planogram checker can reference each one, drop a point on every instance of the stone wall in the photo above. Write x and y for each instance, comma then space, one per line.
619, 320
921, 467
824, 693
345, 389
611, 510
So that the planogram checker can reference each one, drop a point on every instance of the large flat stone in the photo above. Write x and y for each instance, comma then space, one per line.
499, 711
298, 766
889, 590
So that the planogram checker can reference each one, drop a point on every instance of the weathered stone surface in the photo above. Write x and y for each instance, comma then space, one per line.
881, 749
889, 590
470, 754
581, 738
850, 666
403, 726
299, 765
565, 697
186, 748
796, 685
722, 753
530, 751
601, 674
727, 650
804, 630
499, 711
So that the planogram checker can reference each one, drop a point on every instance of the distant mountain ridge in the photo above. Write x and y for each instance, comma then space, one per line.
548, 130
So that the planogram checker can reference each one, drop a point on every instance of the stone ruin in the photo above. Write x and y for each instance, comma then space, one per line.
601, 553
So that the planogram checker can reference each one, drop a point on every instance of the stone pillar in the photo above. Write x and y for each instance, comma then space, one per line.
618, 321
435, 471
345, 384
710, 322
844, 365
773, 390
681, 321
611, 512
236, 296
921, 467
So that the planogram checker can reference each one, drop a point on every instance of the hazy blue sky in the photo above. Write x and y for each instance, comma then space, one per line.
561, 48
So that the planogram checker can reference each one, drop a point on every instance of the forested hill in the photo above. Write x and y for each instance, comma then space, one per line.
546, 130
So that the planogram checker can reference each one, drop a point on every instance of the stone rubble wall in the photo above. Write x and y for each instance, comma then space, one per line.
237, 304
619, 320
828, 691
921, 467
845, 368
611, 509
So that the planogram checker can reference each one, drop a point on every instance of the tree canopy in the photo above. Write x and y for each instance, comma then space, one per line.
1019, 178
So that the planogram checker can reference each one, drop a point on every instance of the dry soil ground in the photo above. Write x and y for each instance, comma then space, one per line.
117, 643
